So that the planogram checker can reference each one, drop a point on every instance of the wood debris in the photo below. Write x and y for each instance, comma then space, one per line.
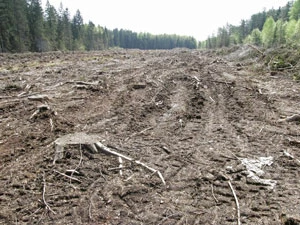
92, 142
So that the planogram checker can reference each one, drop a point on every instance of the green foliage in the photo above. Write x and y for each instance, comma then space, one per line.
256, 37
14, 30
50, 26
290, 30
280, 32
36, 26
267, 28
24, 26
296, 36
268, 32
295, 11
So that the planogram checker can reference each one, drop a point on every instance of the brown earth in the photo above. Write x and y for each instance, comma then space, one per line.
195, 117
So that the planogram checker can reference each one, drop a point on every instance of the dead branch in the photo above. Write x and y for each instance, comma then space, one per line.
295, 117
38, 97
92, 141
212, 191
121, 166
65, 175
197, 81
80, 161
237, 204
82, 83
51, 124
138, 133
109, 151
5, 97
256, 49
44, 200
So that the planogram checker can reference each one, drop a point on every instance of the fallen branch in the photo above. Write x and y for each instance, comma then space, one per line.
38, 97
80, 161
44, 200
212, 191
295, 117
237, 204
197, 81
65, 175
121, 166
93, 143
82, 83
256, 49
51, 124
109, 151
141, 132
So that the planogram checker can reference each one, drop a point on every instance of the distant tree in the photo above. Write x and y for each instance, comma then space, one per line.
77, 31
90, 36
268, 32
256, 37
280, 30
295, 11
243, 30
116, 37
257, 21
36, 25
67, 26
284, 11
223, 38
290, 30
51, 23
296, 35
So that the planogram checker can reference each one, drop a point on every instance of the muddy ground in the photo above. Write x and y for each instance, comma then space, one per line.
202, 120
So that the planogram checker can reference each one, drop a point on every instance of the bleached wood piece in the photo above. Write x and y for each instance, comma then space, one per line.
92, 141
44, 199
109, 151
38, 97
82, 83
237, 204
65, 175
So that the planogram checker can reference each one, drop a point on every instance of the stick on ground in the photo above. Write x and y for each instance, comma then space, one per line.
109, 151
44, 200
237, 204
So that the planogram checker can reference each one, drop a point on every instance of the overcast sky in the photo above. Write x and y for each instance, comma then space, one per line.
197, 18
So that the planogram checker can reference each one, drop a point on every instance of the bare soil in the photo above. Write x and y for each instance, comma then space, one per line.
196, 117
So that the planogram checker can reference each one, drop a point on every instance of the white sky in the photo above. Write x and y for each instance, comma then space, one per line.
189, 17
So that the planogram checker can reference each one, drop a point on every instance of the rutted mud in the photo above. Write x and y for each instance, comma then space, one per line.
191, 115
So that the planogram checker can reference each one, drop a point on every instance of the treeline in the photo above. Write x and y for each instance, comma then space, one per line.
25, 26
268, 29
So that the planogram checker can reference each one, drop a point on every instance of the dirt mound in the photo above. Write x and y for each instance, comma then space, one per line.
205, 122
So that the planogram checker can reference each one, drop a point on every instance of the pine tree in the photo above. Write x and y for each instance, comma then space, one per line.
14, 26
116, 37
51, 23
90, 38
36, 20
67, 29
77, 31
